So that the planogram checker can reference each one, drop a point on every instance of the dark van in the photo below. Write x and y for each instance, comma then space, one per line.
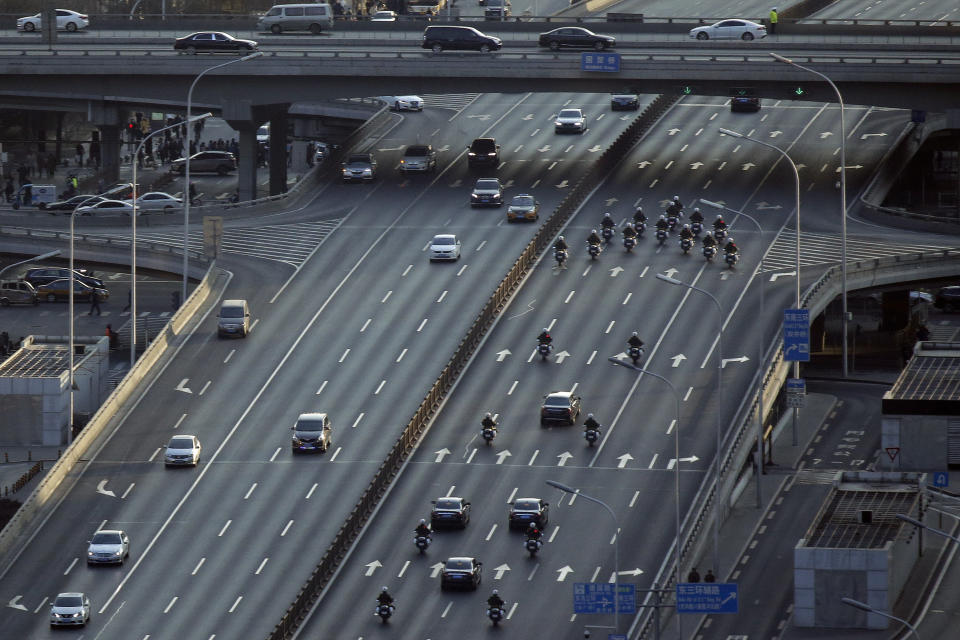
459, 39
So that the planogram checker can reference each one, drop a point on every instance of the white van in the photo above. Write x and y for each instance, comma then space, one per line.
313, 17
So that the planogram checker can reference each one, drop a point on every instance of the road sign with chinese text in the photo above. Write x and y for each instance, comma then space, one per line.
707, 597
597, 597
796, 335
609, 62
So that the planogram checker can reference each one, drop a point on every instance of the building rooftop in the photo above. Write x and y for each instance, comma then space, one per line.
929, 384
37, 361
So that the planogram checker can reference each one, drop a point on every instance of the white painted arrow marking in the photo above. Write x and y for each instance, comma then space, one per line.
677, 359
774, 276
764, 205
562, 356
724, 275
441, 454
566, 455
182, 386
503, 455
774, 134
13, 604
529, 116
624, 459
612, 201
670, 272
696, 165
106, 492
850, 166
456, 183
621, 356
563, 571
615, 271
371, 567
747, 166
482, 117
544, 148
437, 568
390, 149
445, 147
631, 572
562, 185
673, 131
508, 184
825, 135
595, 148
644, 164
724, 361
502, 355
500, 571
870, 135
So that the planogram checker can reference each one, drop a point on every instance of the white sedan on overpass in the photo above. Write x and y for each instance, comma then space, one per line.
404, 103
106, 206
730, 30
158, 201
66, 21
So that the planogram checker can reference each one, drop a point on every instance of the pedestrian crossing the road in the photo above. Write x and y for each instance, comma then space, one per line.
287, 243
455, 101
820, 248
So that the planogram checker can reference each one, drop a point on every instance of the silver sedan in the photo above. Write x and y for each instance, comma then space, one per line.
108, 546
730, 30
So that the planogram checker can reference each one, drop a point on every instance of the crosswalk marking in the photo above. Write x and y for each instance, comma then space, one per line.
456, 101
820, 248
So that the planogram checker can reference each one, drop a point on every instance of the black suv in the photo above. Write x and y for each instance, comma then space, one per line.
483, 152
459, 39
948, 299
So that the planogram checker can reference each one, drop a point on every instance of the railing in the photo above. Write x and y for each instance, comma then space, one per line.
418, 424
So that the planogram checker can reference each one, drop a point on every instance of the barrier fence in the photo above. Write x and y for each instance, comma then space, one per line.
358, 517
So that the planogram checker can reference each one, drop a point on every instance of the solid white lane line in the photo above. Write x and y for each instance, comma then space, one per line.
403, 569
260, 568
610, 326
332, 458
182, 418
172, 602
224, 529
592, 356
442, 296
512, 494
275, 454
236, 602
344, 356
379, 387
365, 325
490, 535
512, 387
205, 387
129, 489
553, 534
359, 418
229, 355
386, 296
533, 457
197, 568
285, 529
314, 487
633, 500
70, 567
402, 353
322, 386
421, 325
250, 491
569, 295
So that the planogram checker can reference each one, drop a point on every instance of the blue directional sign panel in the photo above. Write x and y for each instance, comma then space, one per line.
609, 62
707, 597
616, 636
796, 335
941, 479
597, 597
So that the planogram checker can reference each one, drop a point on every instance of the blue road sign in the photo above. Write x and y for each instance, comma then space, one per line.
707, 597
597, 597
796, 385
941, 479
796, 335
609, 62
616, 636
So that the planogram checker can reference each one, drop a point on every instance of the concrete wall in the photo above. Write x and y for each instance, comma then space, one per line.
822, 576
922, 441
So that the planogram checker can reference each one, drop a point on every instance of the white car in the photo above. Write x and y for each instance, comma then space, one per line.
71, 609
106, 206
384, 16
182, 450
444, 247
730, 30
66, 21
404, 103
108, 546
570, 120
158, 201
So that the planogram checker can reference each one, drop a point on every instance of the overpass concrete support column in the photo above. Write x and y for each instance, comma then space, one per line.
110, 146
247, 162
278, 154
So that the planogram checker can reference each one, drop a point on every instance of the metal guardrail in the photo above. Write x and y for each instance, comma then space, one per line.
418, 424
95, 240
737, 444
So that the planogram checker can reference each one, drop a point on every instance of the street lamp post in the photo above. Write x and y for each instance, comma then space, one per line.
856, 604
186, 169
921, 525
796, 179
676, 466
843, 199
717, 205
718, 414
133, 240
616, 545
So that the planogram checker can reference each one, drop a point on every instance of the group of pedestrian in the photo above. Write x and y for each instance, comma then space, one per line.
222, 145
693, 576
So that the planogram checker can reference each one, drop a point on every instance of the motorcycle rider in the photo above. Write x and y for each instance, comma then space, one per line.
593, 238
591, 423
607, 221
495, 601
629, 231
709, 240
686, 233
544, 337
634, 341
533, 532
560, 244
696, 216
638, 217
662, 224
718, 223
731, 249
384, 597
675, 208
488, 422
422, 530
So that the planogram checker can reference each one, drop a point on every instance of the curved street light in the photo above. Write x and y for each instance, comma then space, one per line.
856, 604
